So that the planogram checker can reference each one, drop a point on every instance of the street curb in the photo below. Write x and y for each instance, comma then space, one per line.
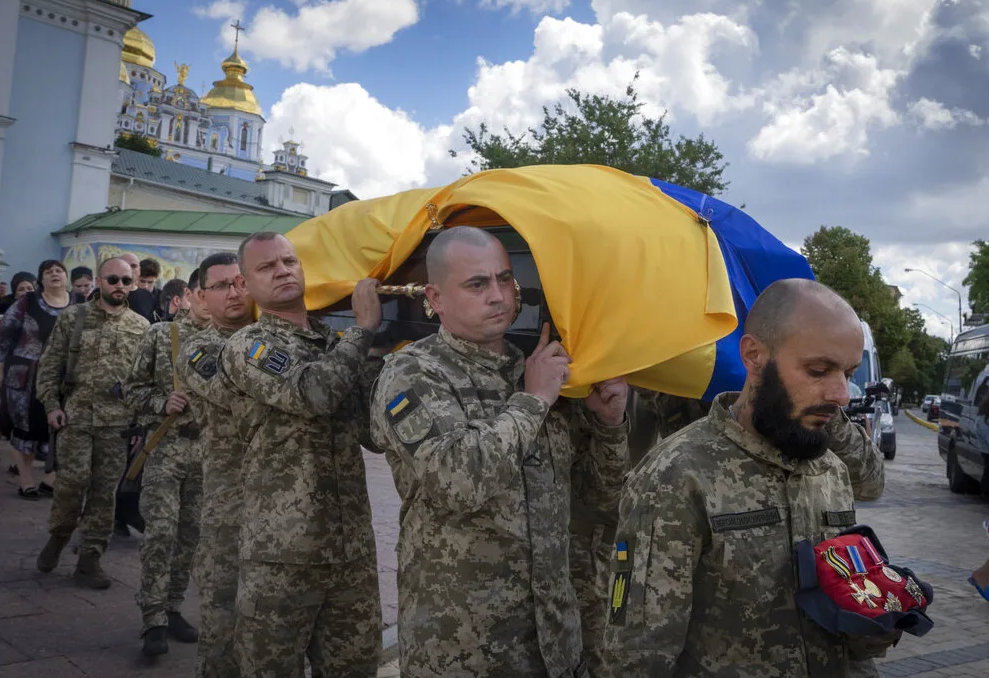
917, 420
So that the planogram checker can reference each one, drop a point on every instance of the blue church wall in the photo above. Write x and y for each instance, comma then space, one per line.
37, 161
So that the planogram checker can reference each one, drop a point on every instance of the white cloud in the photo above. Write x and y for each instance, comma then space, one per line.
934, 116
814, 126
975, 51
537, 7
311, 36
220, 9
946, 261
354, 140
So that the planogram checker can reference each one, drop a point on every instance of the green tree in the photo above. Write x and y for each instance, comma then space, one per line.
977, 279
603, 130
136, 142
842, 260
902, 368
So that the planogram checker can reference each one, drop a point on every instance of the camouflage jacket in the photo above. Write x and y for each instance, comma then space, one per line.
107, 348
305, 493
485, 471
705, 575
151, 375
223, 437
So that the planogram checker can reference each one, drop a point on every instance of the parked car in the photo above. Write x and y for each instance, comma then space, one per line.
887, 431
868, 372
934, 409
963, 436
927, 402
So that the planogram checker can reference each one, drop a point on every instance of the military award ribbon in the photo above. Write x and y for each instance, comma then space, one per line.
862, 596
837, 563
856, 558
871, 550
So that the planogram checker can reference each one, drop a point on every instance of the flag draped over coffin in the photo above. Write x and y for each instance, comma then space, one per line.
637, 284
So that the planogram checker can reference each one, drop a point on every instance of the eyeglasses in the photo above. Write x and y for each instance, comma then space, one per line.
114, 279
222, 287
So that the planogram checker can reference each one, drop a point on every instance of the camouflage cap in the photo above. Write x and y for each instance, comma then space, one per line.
848, 586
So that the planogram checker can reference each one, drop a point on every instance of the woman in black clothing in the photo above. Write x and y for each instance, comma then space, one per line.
23, 332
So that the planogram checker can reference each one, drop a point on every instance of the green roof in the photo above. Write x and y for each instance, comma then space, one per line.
178, 222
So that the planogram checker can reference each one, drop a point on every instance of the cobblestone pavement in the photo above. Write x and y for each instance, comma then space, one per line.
49, 628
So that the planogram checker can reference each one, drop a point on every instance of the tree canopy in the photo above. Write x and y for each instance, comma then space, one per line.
977, 279
136, 142
603, 130
842, 260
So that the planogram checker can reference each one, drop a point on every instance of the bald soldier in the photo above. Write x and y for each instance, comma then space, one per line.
484, 455
704, 563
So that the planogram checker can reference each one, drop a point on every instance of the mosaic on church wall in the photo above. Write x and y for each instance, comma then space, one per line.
176, 262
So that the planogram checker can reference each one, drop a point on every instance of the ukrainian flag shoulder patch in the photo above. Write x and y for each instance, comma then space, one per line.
396, 406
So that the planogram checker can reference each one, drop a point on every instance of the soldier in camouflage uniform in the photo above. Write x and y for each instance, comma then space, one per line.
223, 442
90, 419
171, 493
652, 417
704, 573
308, 568
485, 457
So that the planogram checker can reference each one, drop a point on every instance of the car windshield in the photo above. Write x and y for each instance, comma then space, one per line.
862, 372
854, 391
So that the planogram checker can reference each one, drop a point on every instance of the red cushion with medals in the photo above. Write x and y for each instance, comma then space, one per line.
852, 573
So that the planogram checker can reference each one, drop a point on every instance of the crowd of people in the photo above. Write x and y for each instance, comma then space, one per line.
537, 538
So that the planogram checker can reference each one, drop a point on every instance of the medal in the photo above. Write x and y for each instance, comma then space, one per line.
862, 596
873, 590
892, 574
915, 591
892, 603
871, 550
837, 563
856, 558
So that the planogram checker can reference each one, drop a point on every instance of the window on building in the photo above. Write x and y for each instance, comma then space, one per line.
171, 127
214, 142
185, 135
300, 196
243, 137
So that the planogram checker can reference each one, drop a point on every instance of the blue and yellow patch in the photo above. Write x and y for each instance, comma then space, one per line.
268, 359
396, 406
256, 351
197, 356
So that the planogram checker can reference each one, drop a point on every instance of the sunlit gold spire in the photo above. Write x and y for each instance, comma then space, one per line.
232, 92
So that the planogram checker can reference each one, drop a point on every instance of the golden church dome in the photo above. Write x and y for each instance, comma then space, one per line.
232, 92
138, 48
124, 77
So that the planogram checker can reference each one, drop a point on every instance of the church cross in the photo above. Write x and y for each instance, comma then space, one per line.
238, 28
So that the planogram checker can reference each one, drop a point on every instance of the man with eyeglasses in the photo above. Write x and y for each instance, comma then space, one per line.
171, 489
223, 441
85, 405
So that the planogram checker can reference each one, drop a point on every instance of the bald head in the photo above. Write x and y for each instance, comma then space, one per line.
792, 303
437, 260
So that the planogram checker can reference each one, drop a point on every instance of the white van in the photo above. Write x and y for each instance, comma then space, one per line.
868, 372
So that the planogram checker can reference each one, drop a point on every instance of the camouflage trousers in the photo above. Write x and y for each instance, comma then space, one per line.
171, 503
330, 613
215, 570
91, 462
590, 571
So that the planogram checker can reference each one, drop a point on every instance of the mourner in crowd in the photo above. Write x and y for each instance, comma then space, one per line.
223, 443
174, 298
22, 283
149, 270
81, 278
23, 332
80, 376
484, 454
704, 573
307, 531
171, 489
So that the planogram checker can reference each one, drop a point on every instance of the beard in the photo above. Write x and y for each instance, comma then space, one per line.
112, 300
771, 417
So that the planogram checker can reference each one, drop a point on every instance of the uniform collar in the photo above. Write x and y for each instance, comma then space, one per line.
758, 447
95, 306
316, 330
512, 358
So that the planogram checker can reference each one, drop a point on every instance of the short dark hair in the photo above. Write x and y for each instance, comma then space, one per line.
194, 280
260, 236
46, 266
150, 268
771, 317
218, 259
81, 272
175, 287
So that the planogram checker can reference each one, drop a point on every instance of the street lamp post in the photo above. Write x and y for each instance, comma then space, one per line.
950, 324
961, 322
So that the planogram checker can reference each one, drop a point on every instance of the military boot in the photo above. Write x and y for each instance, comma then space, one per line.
89, 574
48, 558
180, 629
155, 642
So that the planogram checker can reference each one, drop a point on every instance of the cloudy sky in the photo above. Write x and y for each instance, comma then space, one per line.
869, 114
